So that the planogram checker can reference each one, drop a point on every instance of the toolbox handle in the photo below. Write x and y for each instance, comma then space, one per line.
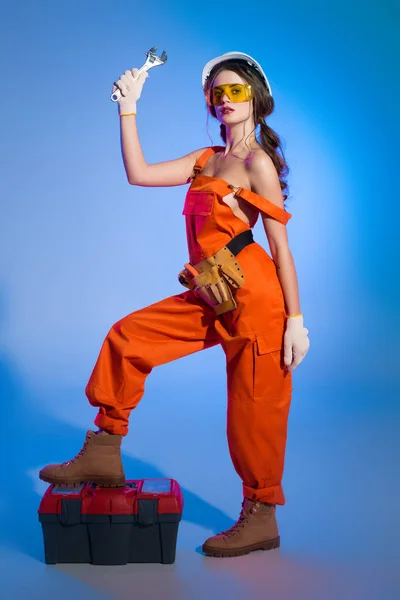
147, 511
70, 511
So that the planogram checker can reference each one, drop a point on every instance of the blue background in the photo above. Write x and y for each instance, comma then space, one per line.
80, 247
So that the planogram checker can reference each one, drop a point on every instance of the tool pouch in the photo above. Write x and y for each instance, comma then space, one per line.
214, 279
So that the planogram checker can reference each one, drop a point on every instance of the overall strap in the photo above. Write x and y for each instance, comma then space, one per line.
264, 205
203, 158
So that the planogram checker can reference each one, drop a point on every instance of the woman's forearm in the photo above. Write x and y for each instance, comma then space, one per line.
287, 275
132, 155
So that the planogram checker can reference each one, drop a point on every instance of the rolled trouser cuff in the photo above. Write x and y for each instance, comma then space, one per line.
272, 494
110, 425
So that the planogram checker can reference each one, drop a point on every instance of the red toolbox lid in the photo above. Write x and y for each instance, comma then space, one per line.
125, 500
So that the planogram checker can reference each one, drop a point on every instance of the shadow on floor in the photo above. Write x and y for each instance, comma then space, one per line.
30, 439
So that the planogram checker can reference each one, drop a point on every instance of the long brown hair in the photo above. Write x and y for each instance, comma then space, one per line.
263, 106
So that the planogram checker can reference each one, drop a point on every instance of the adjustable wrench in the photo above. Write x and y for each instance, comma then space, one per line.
151, 61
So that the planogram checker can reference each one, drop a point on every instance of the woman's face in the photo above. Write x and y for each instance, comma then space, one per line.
241, 111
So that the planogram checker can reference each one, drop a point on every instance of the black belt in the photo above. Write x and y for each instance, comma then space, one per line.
240, 241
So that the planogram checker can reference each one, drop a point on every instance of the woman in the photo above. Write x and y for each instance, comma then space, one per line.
252, 309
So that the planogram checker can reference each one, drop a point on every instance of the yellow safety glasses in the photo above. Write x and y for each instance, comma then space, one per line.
236, 92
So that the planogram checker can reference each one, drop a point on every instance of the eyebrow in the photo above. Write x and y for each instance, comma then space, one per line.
221, 84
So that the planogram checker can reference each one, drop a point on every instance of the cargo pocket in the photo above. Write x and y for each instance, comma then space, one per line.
198, 203
270, 379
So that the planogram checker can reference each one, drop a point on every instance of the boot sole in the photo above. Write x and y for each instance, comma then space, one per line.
102, 481
226, 552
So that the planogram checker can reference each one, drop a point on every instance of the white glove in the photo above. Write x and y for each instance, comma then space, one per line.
295, 342
131, 89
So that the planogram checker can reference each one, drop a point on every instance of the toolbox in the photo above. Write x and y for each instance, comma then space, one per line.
135, 523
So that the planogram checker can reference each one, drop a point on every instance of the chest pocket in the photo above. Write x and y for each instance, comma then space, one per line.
199, 203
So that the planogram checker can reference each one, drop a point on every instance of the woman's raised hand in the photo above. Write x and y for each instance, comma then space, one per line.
130, 88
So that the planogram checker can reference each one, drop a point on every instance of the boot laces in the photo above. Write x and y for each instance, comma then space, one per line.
240, 523
69, 462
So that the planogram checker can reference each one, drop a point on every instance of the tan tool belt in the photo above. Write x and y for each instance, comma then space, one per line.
214, 279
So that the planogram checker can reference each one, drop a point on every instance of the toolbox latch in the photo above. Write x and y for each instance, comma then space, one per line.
70, 511
147, 511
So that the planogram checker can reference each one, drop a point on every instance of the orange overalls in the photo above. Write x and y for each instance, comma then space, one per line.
259, 388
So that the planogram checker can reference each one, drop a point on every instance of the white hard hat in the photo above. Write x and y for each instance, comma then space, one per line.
228, 56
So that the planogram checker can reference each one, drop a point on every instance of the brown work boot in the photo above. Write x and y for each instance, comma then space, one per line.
256, 529
98, 461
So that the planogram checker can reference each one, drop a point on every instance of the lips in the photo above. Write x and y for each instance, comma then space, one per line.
227, 110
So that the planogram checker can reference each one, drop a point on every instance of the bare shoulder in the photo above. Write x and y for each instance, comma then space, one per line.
260, 163
264, 177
